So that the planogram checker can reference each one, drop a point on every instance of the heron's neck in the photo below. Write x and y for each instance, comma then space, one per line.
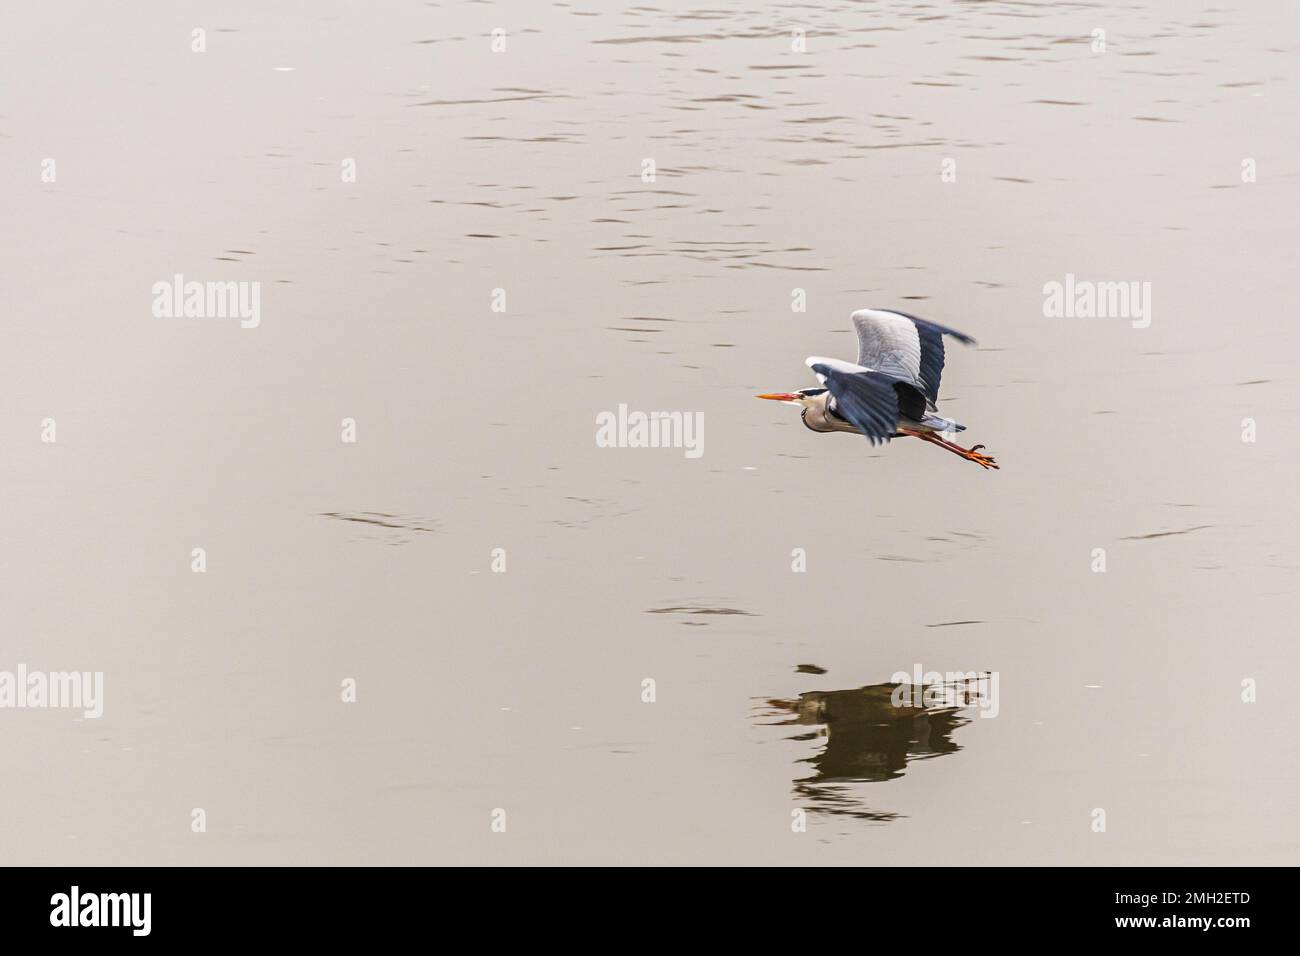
819, 417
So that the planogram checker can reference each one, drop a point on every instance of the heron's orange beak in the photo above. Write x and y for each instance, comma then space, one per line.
780, 396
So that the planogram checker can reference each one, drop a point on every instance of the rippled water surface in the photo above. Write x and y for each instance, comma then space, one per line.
515, 179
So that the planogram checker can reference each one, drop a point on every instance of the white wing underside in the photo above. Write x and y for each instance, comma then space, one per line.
889, 343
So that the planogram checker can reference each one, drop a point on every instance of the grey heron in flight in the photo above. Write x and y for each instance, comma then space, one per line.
892, 390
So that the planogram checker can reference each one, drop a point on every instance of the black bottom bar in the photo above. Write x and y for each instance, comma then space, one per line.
369, 905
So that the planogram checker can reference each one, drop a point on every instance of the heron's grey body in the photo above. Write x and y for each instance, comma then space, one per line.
819, 416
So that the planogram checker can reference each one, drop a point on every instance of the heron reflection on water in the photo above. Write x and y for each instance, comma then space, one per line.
867, 740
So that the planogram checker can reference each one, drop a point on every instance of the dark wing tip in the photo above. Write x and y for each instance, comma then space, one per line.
961, 337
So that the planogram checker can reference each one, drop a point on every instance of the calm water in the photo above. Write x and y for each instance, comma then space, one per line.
521, 171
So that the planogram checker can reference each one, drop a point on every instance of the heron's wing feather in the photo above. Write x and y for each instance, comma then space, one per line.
901, 345
911, 401
865, 398
931, 336
888, 343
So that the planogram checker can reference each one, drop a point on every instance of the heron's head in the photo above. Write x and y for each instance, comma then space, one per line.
804, 398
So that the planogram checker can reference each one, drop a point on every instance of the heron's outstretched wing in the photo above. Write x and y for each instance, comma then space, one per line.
865, 398
904, 347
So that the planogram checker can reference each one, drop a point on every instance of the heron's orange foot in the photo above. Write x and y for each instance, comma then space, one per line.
984, 461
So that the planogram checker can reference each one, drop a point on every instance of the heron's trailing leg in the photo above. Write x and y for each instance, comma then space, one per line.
970, 454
